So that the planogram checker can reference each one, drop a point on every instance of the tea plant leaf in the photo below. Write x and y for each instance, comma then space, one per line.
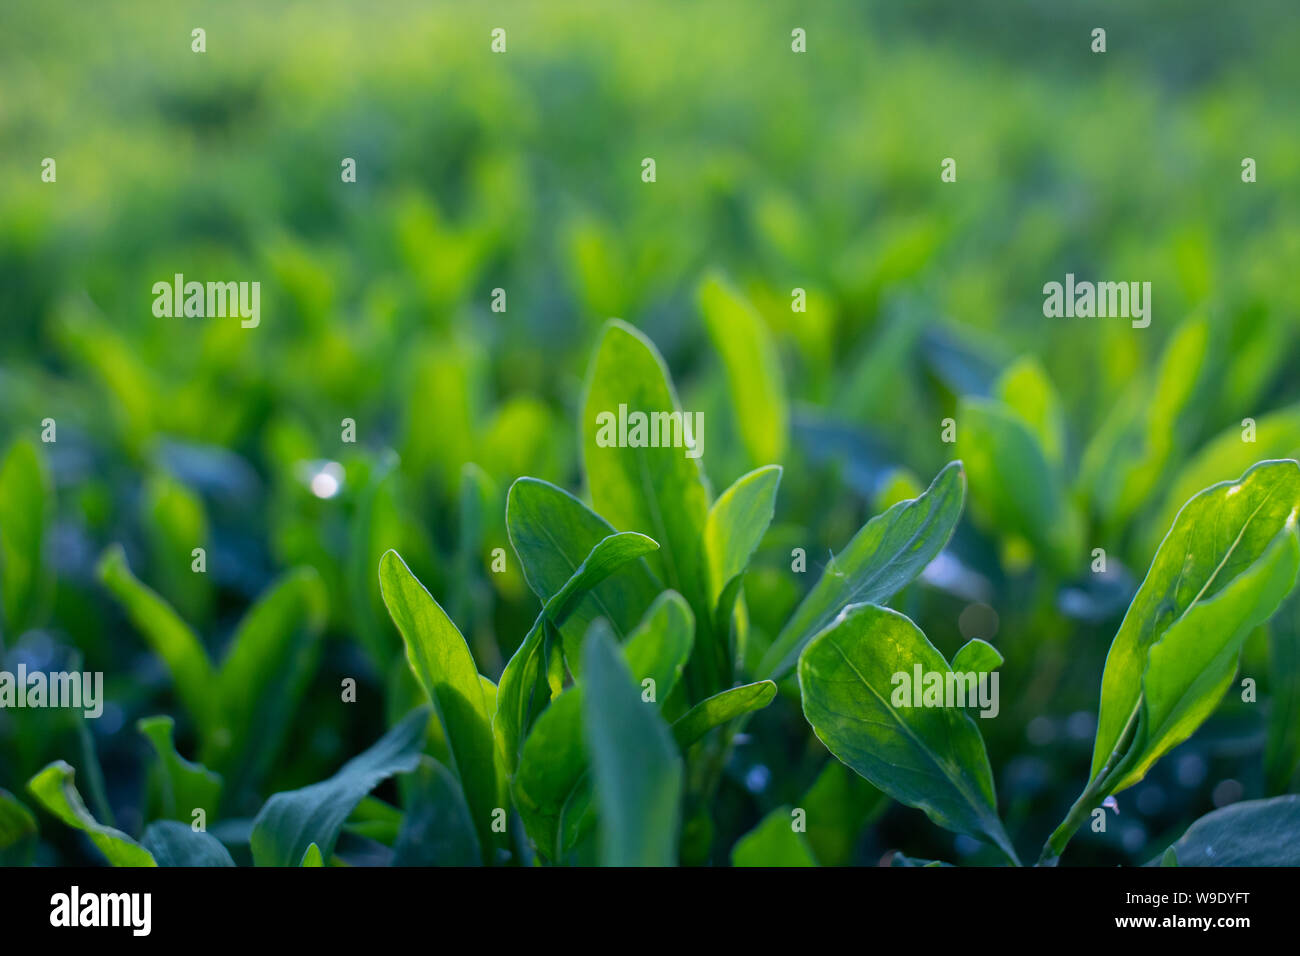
272, 655
289, 822
886, 554
169, 636
437, 829
1228, 561
17, 831
932, 758
441, 660
753, 369
976, 656
717, 710
184, 786
173, 843
1015, 489
516, 699
312, 857
636, 769
26, 504
553, 533
773, 842
1249, 833
736, 524
55, 790
658, 491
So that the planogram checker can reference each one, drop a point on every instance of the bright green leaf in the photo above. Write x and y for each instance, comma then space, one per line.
56, 790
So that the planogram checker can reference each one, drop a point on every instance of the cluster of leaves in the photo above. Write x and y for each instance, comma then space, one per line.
605, 729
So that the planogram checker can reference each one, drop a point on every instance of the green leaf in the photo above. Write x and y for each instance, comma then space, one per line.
1249, 833
272, 656
169, 636
1225, 566
1224, 458
885, 555
736, 524
312, 857
773, 842
441, 660
1015, 490
753, 369
553, 533
636, 769
932, 758
176, 524
717, 710
26, 505
976, 656
55, 789
173, 843
1282, 747
552, 787
184, 786
290, 822
661, 645
17, 831
840, 804
437, 829
517, 701
657, 491
1025, 388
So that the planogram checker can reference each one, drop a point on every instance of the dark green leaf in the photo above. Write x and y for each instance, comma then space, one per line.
1250, 833
176, 844
437, 829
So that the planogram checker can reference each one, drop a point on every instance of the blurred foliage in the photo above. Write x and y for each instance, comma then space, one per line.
521, 172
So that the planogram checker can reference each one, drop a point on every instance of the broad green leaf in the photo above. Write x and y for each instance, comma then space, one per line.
176, 524
26, 505
17, 831
184, 786
1249, 833
437, 829
753, 369
1025, 388
736, 524
717, 710
1224, 458
1225, 566
636, 770
169, 636
932, 758
173, 843
312, 857
661, 645
56, 790
885, 555
1015, 490
659, 491
517, 701
552, 788
441, 660
553, 533
290, 822
976, 656
271, 658
774, 842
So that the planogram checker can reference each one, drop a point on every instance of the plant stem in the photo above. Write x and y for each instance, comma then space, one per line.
1096, 791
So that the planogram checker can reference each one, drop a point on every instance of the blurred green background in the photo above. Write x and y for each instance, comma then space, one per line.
522, 171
